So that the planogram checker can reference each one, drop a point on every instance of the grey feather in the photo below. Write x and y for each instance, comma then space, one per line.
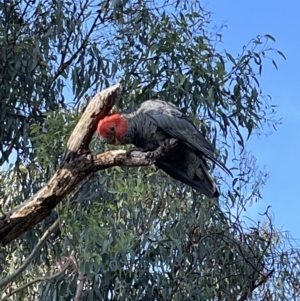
169, 118
154, 122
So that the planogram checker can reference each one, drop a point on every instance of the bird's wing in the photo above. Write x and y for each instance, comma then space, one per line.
205, 185
171, 120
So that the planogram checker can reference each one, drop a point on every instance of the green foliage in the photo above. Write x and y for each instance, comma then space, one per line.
45, 48
156, 246
49, 139
135, 234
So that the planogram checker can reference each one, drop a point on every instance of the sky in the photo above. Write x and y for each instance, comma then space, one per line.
279, 152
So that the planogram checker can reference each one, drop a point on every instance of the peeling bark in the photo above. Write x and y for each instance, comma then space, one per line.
76, 165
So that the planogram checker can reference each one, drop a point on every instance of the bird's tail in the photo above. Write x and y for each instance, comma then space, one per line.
191, 172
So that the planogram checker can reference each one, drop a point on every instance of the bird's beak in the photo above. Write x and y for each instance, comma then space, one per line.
106, 139
116, 141
109, 140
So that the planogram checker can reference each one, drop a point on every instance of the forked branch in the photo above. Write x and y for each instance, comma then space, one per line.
76, 165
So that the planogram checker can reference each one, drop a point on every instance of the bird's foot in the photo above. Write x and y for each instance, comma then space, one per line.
168, 144
133, 149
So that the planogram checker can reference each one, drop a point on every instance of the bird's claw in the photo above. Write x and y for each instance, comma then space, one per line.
133, 149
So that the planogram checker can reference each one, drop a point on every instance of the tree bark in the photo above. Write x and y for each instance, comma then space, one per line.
76, 165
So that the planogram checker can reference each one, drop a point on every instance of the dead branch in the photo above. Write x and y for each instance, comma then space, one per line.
76, 165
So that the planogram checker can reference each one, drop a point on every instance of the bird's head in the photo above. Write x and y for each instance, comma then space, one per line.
112, 128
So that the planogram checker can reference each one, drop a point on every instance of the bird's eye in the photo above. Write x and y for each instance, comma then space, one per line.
112, 129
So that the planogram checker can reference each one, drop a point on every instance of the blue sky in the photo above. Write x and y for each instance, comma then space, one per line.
279, 153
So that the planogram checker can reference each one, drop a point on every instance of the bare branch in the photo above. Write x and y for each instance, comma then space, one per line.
77, 164
79, 287
97, 109
24, 217
131, 158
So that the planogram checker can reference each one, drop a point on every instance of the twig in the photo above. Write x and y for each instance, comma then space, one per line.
79, 286
9, 278
63, 65
45, 278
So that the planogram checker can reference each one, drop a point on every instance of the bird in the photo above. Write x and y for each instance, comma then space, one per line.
148, 127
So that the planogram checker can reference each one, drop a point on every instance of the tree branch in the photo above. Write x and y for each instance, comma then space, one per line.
76, 165
9, 278
79, 287
45, 278
97, 109
63, 65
